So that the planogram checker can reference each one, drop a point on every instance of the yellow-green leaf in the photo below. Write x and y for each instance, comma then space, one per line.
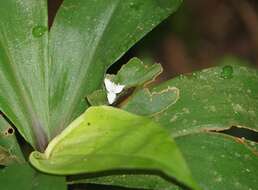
106, 138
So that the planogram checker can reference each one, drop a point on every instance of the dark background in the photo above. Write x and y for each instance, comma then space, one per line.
199, 34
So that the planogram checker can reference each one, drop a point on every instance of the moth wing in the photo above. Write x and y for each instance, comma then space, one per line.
110, 86
118, 88
111, 97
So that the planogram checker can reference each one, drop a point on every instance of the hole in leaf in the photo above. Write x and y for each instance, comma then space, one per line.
9, 131
25, 147
240, 132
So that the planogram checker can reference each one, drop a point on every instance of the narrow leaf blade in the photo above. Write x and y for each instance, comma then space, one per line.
23, 67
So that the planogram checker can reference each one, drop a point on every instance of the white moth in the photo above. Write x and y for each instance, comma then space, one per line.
112, 90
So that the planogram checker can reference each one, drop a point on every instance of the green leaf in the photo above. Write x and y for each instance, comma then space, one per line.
86, 38
213, 100
23, 177
9, 148
98, 98
150, 102
208, 101
128, 180
105, 138
136, 73
23, 67
220, 161
133, 74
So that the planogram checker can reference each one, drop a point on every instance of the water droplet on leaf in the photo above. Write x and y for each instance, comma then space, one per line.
135, 6
227, 72
39, 31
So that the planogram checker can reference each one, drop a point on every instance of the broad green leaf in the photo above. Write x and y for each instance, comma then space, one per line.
9, 148
86, 38
212, 100
209, 101
24, 177
23, 67
105, 138
136, 73
220, 161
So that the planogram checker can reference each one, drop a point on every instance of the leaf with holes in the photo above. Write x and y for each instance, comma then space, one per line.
9, 148
105, 138
209, 102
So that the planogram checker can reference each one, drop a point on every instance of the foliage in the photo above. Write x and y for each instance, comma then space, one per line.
167, 136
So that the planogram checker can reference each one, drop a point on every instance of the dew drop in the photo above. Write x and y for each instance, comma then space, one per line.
227, 72
135, 6
39, 31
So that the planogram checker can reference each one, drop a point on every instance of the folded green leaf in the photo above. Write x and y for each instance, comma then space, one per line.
105, 138
86, 38
23, 68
